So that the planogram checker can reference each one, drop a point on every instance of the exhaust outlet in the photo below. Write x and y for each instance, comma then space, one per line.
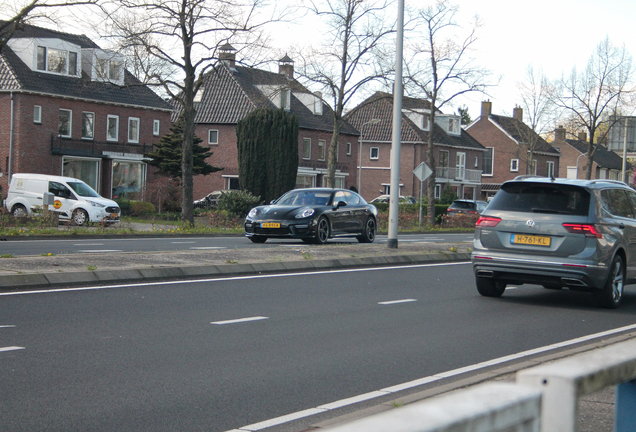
573, 282
485, 273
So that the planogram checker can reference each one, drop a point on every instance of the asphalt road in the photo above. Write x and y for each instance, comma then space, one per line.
141, 244
169, 357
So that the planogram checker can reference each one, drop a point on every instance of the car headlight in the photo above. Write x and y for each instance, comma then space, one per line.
252, 213
94, 204
305, 213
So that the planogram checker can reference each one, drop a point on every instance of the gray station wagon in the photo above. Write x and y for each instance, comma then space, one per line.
558, 233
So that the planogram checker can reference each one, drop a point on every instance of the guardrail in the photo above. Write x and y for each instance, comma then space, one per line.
565, 381
544, 398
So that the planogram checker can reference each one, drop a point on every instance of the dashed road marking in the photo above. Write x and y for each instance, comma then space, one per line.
7, 326
240, 320
11, 348
100, 251
207, 247
392, 302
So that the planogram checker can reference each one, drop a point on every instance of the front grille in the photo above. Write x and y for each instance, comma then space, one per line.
271, 231
112, 209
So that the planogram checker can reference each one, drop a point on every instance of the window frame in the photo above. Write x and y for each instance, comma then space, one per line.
110, 117
210, 141
492, 162
348, 149
131, 120
550, 167
156, 127
70, 123
37, 114
377, 153
92, 137
514, 165
306, 148
322, 152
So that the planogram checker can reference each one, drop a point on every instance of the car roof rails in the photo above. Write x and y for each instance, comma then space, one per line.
608, 181
528, 176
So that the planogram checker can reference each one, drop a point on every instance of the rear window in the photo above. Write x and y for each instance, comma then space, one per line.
542, 198
463, 205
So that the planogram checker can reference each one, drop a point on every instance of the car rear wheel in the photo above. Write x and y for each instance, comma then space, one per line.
489, 287
80, 217
612, 293
258, 239
369, 231
322, 231
19, 211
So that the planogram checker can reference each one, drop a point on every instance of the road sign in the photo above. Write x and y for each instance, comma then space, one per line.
422, 172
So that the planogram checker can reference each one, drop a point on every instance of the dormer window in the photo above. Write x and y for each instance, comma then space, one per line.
453, 125
56, 61
108, 69
285, 99
198, 95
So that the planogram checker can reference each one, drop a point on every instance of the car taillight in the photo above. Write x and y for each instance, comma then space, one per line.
588, 229
471, 212
485, 221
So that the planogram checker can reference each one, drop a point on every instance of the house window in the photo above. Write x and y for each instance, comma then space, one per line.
108, 69
128, 177
442, 170
533, 167
133, 130
102, 68
285, 99
88, 125
374, 153
86, 170
72, 63
213, 137
41, 59
438, 191
550, 169
56, 61
476, 162
65, 123
348, 149
488, 161
305, 181
321, 150
37, 114
112, 128
514, 165
453, 125
232, 183
156, 125
114, 70
198, 95
306, 148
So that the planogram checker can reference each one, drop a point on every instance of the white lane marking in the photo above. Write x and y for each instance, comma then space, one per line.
411, 384
88, 244
184, 242
7, 326
207, 247
240, 320
11, 348
392, 302
99, 251
229, 279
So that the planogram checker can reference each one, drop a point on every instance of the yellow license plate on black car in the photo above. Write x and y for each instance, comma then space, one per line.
270, 225
530, 240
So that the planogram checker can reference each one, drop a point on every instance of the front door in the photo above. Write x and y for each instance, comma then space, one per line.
460, 166
64, 199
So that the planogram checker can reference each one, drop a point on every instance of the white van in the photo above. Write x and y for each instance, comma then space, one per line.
74, 200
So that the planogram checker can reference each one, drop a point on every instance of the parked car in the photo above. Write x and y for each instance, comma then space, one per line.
74, 200
558, 233
463, 206
211, 200
386, 199
314, 216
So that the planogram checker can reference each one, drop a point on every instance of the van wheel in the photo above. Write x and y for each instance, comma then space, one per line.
612, 293
80, 217
19, 211
488, 287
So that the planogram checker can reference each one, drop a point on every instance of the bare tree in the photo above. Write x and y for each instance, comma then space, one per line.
536, 93
350, 57
183, 36
20, 14
595, 95
440, 68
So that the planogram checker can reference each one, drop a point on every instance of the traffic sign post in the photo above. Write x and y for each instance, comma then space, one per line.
422, 172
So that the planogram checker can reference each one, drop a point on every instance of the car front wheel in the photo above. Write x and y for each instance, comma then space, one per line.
80, 217
369, 231
322, 231
612, 293
488, 287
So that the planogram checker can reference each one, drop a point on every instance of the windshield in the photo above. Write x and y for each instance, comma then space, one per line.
83, 190
301, 197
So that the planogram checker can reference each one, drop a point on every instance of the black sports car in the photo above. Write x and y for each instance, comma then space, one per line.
313, 215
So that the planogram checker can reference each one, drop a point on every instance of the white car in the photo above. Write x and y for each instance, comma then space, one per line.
73, 199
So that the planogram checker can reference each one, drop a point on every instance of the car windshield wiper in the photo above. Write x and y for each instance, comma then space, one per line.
544, 210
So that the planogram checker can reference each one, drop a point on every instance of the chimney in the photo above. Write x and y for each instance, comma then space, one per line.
227, 55
517, 113
286, 67
583, 136
559, 133
486, 109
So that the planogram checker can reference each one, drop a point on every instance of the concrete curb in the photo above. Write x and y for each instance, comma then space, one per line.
101, 277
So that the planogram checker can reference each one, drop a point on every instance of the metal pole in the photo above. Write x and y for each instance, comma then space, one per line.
625, 150
394, 201
421, 187
360, 162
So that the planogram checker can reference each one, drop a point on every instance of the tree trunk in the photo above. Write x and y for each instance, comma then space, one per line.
333, 146
430, 161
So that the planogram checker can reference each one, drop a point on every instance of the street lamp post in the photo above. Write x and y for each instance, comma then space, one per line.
373, 121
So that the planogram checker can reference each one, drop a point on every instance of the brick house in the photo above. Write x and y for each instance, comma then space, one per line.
573, 161
69, 108
457, 154
507, 140
230, 92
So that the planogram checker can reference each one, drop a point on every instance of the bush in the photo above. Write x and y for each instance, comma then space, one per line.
238, 203
125, 206
139, 208
459, 221
222, 219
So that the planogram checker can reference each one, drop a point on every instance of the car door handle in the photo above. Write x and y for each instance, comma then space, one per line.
621, 226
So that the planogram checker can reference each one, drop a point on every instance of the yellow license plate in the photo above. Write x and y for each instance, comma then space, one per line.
530, 240
270, 225
114, 215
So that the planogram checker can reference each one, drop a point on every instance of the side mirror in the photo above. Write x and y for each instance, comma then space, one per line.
341, 204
